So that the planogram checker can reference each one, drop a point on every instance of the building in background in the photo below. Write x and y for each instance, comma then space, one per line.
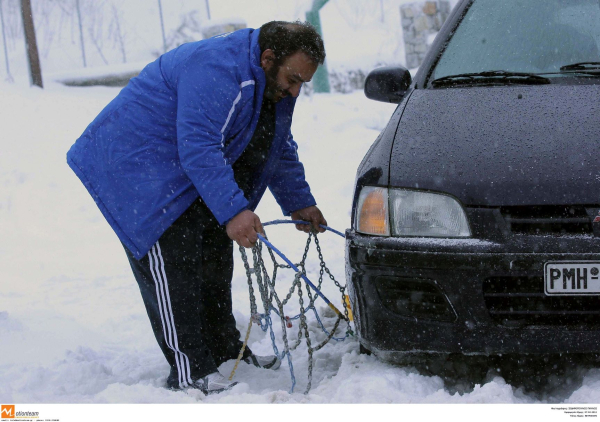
421, 21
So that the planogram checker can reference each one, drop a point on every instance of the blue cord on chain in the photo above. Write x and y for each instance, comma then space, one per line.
274, 222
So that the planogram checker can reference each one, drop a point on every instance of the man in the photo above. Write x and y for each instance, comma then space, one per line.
178, 162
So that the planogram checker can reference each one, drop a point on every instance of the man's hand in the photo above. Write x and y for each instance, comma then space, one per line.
243, 228
312, 214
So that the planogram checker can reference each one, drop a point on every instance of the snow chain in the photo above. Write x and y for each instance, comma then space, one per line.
271, 302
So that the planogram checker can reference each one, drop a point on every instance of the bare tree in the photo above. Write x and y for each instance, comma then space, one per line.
35, 71
14, 22
42, 11
355, 12
119, 36
189, 29
78, 7
162, 26
207, 10
9, 77
95, 26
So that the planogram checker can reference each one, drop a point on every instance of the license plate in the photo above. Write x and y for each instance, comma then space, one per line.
572, 278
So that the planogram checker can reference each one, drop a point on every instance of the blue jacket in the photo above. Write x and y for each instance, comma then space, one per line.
172, 133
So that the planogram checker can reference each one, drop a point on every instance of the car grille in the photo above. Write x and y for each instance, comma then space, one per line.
521, 301
547, 220
414, 297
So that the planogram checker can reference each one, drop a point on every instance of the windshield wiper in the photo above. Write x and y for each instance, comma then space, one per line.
491, 77
582, 66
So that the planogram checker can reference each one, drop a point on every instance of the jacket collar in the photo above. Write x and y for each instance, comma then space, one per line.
257, 70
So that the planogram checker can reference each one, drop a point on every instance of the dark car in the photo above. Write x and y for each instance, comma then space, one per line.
476, 214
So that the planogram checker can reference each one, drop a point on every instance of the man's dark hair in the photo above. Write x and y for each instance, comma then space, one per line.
287, 38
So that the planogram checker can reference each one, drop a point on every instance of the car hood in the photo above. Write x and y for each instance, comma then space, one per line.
493, 146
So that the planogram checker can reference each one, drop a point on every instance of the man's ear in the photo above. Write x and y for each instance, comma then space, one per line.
267, 59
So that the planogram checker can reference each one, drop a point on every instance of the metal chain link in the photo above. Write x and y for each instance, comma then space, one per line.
304, 326
266, 286
342, 289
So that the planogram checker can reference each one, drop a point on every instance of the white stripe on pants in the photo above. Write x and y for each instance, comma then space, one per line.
157, 268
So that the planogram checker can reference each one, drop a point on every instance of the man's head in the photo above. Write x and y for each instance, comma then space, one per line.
290, 54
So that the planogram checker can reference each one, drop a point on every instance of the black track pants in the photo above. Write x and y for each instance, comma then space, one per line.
185, 281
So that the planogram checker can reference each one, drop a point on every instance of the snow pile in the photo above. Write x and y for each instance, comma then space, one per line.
72, 322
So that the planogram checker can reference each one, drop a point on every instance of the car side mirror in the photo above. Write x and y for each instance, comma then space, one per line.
388, 84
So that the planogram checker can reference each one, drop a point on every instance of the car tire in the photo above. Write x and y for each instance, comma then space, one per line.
364, 351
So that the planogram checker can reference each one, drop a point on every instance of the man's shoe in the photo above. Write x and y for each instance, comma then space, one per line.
213, 383
210, 384
173, 381
266, 362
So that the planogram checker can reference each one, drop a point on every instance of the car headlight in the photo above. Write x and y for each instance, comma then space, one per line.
411, 213
372, 215
417, 213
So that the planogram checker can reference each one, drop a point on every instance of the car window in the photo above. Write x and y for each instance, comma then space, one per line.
533, 36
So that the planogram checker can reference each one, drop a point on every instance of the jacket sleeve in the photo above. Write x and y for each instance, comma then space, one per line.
288, 184
207, 95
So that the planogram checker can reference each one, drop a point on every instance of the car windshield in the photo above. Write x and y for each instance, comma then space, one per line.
531, 36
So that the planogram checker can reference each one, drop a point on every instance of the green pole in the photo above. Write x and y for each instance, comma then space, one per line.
321, 77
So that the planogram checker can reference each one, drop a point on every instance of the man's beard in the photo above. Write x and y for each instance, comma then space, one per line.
273, 91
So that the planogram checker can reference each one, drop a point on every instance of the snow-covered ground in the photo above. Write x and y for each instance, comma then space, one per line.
72, 325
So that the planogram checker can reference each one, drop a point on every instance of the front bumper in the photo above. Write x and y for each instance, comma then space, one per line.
464, 279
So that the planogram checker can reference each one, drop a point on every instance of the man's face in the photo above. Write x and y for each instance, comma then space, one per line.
287, 78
